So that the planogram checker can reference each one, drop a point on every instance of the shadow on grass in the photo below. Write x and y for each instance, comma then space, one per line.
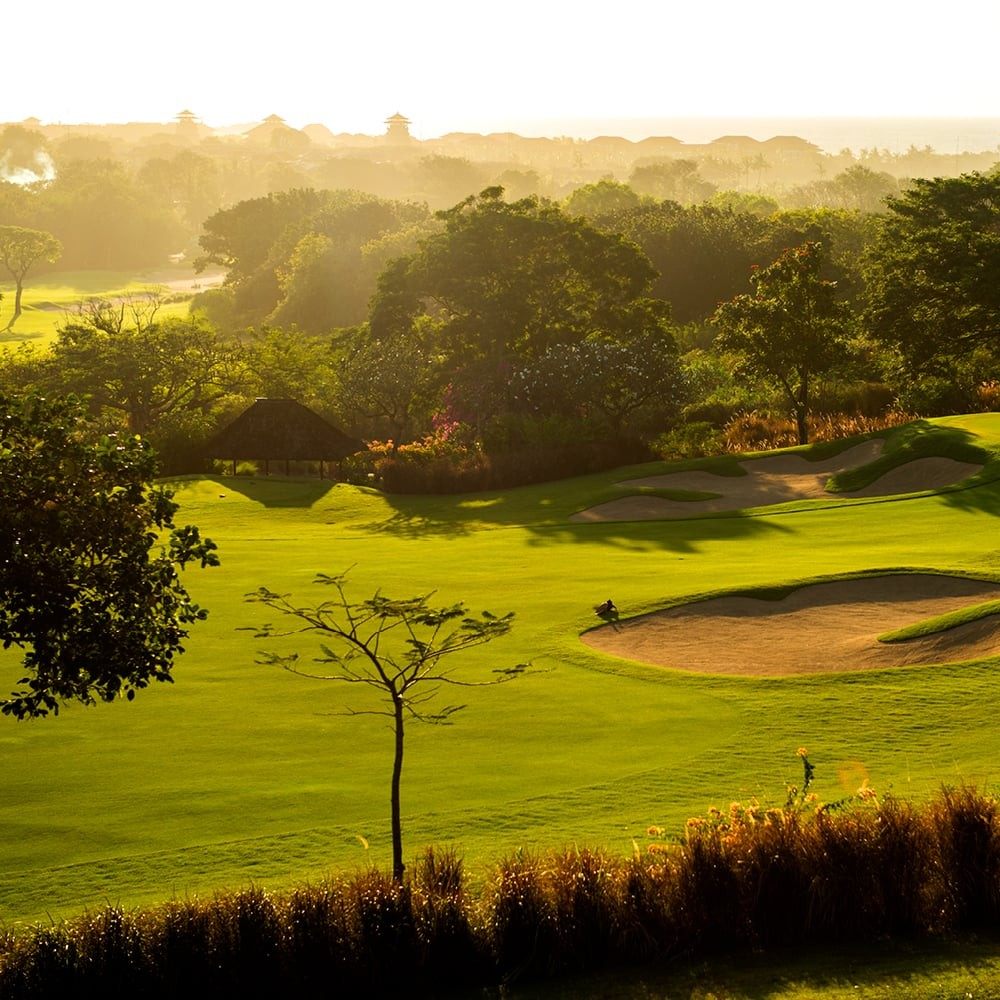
17, 337
982, 494
650, 536
904, 969
544, 510
278, 491
638, 536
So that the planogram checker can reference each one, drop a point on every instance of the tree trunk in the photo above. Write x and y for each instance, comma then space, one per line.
802, 425
397, 771
17, 303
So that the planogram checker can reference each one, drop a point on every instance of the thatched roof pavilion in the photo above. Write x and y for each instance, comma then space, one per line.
283, 430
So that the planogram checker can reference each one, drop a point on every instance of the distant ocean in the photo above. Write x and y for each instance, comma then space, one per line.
945, 135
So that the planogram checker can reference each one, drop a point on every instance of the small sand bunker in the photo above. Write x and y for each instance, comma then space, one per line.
918, 475
774, 480
823, 628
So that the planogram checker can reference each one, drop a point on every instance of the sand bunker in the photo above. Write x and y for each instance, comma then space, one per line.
823, 628
774, 480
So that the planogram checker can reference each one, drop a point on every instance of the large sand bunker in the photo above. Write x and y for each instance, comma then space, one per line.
826, 627
774, 480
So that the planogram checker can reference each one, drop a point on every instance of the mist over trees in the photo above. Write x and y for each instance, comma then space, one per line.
306, 258
152, 186
480, 332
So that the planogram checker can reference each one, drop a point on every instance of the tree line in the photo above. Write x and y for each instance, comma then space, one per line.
147, 193
499, 325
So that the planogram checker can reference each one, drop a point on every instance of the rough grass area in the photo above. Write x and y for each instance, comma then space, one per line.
942, 623
239, 774
802, 875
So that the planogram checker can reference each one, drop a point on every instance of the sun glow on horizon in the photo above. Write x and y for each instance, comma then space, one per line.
460, 67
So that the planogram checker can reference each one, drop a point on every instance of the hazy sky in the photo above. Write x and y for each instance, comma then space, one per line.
477, 66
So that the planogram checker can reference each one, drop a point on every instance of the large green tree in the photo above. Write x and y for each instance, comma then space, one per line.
789, 329
385, 387
89, 560
144, 371
188, 181
20, 250
856, 189
605, 197
302, 257
442, 180
933, 271
506, 280
702, 254
105, 219
676, 180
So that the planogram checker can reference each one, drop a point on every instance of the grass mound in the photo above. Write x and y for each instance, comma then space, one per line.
920, 439
681, 496
942, 623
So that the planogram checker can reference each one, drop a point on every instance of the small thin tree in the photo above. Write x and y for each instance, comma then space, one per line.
20, 250
396, 646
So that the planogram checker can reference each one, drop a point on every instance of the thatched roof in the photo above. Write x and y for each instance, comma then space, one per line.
281, 429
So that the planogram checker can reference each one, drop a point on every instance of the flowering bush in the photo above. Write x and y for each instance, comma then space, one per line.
621, 385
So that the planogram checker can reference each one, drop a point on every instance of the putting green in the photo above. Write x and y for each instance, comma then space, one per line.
241, 773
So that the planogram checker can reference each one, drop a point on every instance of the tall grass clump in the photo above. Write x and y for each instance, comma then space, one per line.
564, 912
450, 947
967, 826
756, 431
806, 873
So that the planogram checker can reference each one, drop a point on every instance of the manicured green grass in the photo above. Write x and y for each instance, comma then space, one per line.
241, 773
942, 623
49, 299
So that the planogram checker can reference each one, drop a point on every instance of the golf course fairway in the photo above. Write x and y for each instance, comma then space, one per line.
240, 772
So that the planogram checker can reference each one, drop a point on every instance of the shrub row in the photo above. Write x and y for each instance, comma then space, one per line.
747, 878
425, 471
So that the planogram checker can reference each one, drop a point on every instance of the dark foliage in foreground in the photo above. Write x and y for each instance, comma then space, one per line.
750, 878
89, 597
